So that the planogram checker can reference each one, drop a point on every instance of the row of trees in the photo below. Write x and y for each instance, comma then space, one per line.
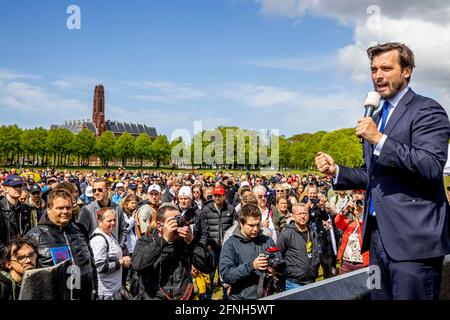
211, 148
60, 147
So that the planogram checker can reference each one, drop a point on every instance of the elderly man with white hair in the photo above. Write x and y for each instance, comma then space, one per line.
266, 211
193, 215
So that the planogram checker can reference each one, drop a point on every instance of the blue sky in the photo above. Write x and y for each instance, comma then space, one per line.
252, 63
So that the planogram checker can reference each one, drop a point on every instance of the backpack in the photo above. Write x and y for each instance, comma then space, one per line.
107, 243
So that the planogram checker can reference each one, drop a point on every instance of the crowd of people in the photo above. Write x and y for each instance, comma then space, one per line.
178, 236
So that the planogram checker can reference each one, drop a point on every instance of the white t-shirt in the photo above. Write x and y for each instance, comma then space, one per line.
266, 216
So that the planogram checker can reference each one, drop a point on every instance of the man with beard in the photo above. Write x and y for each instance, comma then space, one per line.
406, 223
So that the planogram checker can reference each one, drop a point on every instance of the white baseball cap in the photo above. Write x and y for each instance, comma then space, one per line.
88, 192
119, 185
244, 183
154, 187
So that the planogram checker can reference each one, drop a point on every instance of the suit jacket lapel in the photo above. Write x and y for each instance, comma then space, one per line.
399, 110
371, 147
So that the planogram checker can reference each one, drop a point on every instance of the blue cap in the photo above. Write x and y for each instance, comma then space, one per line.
13, 180
133, 186
35, 188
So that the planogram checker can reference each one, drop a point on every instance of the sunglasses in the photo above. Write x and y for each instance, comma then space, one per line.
97, 189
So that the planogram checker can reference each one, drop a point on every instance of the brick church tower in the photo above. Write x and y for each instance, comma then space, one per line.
98, 112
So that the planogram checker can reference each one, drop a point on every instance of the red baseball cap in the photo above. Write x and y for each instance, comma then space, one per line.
218, 190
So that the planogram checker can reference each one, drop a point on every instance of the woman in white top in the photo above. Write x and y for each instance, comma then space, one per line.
107, 255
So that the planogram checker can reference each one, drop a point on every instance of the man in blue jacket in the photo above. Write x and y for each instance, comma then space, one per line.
406, 222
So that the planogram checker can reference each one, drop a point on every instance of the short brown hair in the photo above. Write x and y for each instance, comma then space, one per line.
249, 210
405, 54
161, 213
249, 198
69, 187
58, 193
101, 213
103, 179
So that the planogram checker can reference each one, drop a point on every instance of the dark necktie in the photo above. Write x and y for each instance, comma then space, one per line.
384, 114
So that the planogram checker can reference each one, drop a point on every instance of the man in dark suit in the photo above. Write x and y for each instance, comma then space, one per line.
406, 223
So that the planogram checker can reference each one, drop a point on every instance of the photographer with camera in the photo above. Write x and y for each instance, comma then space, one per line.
320, 222
350, 221
193, 215
249, 262
298, 245
163, 261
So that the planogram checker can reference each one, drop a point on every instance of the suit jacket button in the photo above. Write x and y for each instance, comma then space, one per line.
372, 177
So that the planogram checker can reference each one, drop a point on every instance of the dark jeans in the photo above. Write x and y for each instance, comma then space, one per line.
216, 256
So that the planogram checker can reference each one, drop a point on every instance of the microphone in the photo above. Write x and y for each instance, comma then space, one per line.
371, 104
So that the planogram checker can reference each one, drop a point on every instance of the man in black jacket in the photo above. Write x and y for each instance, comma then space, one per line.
243, 261
163, 261
59, 239
299, 246
193, 215
15, 217
219, 216
318, 220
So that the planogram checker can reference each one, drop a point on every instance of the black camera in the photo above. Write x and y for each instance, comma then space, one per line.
271, 196
181, 221
359, 203
272, 260
314, 200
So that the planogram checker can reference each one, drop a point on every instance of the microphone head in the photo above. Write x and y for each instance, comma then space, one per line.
372, 99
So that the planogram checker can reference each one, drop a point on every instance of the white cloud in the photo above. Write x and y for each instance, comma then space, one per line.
9, 75
32, 105
293, 111
423, 25
166, 92
258, 95
317, 63
73, 82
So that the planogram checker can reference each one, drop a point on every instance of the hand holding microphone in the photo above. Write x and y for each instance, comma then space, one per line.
366, 128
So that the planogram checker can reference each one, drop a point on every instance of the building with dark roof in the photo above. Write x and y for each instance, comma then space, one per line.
98, 125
